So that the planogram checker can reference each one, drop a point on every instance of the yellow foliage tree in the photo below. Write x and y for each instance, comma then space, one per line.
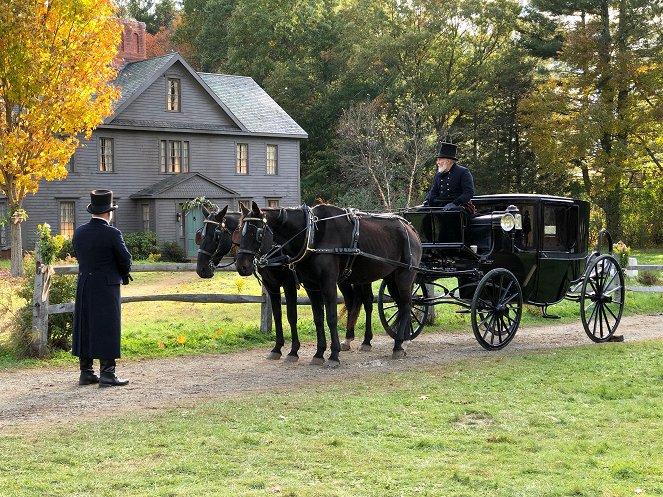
56, 69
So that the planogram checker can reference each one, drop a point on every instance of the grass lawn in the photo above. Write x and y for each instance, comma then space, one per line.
152, 329
583, 421
648, 256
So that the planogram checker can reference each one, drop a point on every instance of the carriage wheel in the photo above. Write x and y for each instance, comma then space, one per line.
388, 310
496, 309
602, 298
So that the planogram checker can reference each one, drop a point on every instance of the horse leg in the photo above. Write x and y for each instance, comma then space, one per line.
317, 307
290, 291
275, 300
399, 350
352, 305
403, 280
366, 293
330, 298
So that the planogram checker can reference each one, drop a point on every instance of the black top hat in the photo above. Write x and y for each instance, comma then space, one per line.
447, 151
101, 201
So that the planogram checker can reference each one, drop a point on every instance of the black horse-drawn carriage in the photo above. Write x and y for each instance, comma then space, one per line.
517, 249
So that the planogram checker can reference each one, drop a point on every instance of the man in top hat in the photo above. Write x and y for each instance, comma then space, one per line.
103, 263
453, 185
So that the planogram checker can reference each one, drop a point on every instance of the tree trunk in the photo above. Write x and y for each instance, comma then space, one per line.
611, 205
17, 249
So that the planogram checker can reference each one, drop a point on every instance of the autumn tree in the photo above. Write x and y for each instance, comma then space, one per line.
55, 69
598, 115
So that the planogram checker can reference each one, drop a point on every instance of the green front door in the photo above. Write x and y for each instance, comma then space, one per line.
193, 220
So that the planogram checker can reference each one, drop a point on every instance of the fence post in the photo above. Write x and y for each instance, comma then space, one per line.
430, 319
42, 284
265, 312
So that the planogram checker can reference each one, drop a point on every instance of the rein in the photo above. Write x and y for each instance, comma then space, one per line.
268, 259
211, 255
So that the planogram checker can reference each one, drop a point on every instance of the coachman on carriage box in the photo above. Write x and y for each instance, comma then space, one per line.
453, 185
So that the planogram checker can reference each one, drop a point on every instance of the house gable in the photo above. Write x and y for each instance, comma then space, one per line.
143, 100
186, 185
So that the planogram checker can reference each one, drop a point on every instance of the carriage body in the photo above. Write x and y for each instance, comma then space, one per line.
540, 257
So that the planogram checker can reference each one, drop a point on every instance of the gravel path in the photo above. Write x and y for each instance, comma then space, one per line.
41, 397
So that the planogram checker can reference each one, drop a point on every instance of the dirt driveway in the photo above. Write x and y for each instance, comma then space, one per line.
41, 397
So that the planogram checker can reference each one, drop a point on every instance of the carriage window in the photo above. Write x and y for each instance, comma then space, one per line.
525, 238
557, 228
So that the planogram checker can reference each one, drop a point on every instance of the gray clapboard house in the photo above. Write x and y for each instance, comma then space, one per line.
175, 134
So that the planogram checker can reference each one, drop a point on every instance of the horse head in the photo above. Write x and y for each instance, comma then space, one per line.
256, 239
214, 240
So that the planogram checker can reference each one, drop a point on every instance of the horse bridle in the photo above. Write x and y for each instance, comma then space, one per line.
220, 228
264, 236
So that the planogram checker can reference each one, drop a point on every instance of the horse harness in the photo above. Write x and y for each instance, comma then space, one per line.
267, 252
218, 230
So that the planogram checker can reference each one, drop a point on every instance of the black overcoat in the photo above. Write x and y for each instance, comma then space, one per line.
103, 260
455, 185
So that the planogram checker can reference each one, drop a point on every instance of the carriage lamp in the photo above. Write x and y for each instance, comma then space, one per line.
508, 222
513, 210
178, 217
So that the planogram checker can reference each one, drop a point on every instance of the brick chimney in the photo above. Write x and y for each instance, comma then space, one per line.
132, 46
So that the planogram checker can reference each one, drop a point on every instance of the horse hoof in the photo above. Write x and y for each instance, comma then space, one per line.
274, 356
365, 347
345, 346
405, 344
317, 361
291, 358
398, 354
333, 364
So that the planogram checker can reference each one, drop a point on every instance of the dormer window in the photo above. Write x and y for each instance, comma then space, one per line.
173, 100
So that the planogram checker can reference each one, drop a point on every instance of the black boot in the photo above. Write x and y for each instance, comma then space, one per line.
87, 373
108, 378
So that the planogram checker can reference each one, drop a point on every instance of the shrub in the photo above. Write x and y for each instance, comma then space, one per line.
154, 257
173, 252
622, 251
648, 278
67, 250
141, 244
60, 326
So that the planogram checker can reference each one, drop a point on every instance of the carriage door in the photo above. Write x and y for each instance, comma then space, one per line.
558, 251
193, 220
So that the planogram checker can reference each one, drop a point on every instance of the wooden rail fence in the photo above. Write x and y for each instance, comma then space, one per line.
42, 309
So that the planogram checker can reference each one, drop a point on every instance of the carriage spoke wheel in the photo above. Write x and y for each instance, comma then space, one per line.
602, 298
389, 315
497, 305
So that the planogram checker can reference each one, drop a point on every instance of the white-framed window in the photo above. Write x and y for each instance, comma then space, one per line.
272, 155
272, 202
105, 155
174, 94
67, 218
3, 227
174, 156
146, 217
242, 166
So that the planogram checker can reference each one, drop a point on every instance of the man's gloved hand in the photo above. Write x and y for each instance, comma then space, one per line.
450, 206
126, 279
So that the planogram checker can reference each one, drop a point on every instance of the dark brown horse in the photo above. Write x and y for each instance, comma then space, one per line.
215, 240
327, 244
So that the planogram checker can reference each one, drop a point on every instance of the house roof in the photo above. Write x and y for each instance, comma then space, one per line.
185, 185
252, 105
249, 107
